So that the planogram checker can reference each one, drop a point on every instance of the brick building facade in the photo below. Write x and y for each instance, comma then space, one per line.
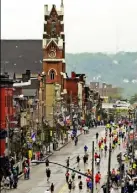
106, 90
6, 109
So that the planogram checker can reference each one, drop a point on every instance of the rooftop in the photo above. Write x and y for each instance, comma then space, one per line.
20, 55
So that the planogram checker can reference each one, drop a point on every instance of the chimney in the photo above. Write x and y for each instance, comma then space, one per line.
45, 9
14, 76
28, 73
73, 75
25, 78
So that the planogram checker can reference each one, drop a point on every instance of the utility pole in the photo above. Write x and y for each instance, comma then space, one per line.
120, 168
109, 167
64, 166
92, 190
43, 78
134, 131
136, 118
133, 141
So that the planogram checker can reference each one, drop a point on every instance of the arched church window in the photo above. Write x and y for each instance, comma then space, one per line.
52, 74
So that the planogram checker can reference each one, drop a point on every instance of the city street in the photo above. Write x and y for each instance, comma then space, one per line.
38, 182
68, 120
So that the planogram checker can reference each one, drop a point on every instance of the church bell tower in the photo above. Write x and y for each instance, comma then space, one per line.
54, 44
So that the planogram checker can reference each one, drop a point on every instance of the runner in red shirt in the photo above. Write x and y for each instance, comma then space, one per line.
99, 144
105, 140
97, 179
96, 156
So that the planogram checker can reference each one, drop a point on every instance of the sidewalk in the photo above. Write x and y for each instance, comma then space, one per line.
50, 153
60, 146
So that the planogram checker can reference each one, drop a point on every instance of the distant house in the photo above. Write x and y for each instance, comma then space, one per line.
20, 55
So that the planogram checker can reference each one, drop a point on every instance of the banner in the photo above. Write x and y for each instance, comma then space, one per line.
30, 154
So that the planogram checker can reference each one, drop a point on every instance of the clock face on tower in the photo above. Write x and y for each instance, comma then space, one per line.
52, 54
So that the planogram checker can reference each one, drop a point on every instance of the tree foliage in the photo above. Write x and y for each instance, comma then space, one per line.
110, 68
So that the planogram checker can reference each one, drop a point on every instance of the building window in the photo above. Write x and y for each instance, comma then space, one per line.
52, 75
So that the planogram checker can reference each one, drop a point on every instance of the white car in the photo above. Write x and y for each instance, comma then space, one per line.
122, 104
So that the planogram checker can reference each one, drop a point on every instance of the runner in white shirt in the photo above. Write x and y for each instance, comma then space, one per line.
98, 161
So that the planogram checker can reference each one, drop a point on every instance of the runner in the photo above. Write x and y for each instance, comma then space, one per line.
97, 179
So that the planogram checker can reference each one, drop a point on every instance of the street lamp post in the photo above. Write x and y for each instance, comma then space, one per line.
43, 79
92, 191
134, 131
133, 140
55, 163
109, 167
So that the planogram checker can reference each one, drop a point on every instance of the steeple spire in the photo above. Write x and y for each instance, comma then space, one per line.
62, 4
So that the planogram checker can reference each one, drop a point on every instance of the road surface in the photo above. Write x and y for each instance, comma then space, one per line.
38, 182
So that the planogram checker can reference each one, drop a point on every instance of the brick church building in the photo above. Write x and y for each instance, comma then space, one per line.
54, 45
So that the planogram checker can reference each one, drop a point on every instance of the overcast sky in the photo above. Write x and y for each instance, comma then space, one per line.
90, 25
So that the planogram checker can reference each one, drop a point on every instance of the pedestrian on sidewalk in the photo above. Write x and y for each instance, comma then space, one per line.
97, 135
68, 162
70, 185
78, 160
85, 149
15, 181
84, 159
11, 180
47, 162
48, 172
41, 155
79, 176
105, 140
52, 188
76, 140
28, 173
90, 185
67, 176
80, 185
99, 145
84, 129
106, 148
73, 175
25, 172
87, 181
73, 185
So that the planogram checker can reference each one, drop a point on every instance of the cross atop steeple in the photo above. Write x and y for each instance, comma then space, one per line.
62, 4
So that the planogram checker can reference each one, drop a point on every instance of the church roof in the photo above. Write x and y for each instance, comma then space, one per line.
20, 55
53, 9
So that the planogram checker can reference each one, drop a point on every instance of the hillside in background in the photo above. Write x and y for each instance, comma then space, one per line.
118, 69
